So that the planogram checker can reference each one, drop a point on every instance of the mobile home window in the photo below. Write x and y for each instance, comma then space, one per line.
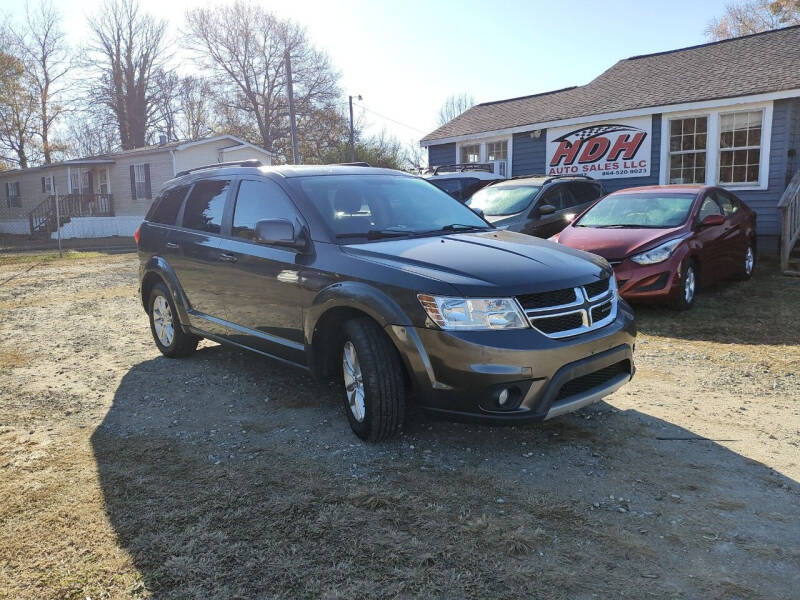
471, 153
740, 146
12, 194
688, 139
140, 179
103, 178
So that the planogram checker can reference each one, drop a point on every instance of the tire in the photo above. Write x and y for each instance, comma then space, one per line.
685, 297
368, 357
748, 263
167, 332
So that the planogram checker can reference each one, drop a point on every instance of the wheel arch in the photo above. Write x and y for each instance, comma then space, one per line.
157, 270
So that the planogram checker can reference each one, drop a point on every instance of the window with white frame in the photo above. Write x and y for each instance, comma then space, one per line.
471, 153
103, 180
48, 185
740, 147
140, 179
688, 141
12, 194
497, 150
75, 181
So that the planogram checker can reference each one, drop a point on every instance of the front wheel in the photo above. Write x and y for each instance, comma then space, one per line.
374, 391
684, 299
748, 263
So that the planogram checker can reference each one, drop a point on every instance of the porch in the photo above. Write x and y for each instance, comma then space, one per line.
56, 211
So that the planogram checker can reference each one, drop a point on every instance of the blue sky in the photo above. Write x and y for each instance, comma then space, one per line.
405, 58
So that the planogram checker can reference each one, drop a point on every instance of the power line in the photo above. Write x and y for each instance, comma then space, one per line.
377, 114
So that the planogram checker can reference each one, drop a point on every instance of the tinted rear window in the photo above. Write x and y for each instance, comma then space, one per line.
205, 205
165, 209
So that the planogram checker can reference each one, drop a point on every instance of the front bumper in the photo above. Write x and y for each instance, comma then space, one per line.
648, 283
461, 374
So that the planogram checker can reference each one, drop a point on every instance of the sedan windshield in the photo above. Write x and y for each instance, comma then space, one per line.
382, 206
639, 211
499, 200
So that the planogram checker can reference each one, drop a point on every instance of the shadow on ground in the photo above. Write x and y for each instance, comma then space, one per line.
759, 311
228, 476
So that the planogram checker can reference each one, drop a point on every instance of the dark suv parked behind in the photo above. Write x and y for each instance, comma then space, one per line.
387, 284
536, 204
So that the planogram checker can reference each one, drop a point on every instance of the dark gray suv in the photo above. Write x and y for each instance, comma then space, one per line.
383, 282
536, 204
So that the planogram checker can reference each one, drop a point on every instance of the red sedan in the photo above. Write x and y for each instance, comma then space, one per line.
663, 241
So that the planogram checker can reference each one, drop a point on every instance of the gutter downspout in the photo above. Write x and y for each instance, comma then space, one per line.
174, 170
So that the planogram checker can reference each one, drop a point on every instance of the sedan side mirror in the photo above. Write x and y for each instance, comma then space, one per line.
712, 221
546, 209
278, 232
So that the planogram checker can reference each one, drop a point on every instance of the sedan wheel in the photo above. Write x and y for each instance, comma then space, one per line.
689, 286
749, 261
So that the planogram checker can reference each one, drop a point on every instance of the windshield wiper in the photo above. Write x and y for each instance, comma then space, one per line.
460, 227
375, 234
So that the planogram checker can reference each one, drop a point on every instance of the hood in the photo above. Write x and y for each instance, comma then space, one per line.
614, 244
490, 263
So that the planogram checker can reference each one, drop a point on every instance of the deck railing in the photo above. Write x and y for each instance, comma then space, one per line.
789, 207
43, 217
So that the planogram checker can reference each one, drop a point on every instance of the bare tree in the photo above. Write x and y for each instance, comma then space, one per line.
17, 107
42, 47
454, 105
752, 16
166, 115
127, 49
195, 102
244, 48
92, 132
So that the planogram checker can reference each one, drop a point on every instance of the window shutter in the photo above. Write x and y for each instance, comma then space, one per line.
43, 189
133, 182
148, 192
91, 183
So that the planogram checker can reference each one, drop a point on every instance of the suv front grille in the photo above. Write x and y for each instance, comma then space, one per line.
571, 311
582, 384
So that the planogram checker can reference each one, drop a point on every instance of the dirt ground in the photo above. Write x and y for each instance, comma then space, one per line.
127, 475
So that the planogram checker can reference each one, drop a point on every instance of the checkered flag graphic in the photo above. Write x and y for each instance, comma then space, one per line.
595, 130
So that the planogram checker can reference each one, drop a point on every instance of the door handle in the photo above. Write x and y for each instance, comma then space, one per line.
171, 245
225, 257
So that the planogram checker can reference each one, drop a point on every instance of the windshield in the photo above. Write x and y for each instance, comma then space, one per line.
498, 200
374, 206
640, 211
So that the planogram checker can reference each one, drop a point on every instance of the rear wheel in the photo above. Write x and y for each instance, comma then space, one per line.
684, 299
167, 332
372, 374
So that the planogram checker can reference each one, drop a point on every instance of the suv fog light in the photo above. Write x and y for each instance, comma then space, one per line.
502, 398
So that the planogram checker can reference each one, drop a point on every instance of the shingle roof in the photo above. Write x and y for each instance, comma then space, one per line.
753, 64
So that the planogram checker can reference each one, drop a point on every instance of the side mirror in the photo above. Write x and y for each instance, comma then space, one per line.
545, 209
478, 212
278, 232
712, 221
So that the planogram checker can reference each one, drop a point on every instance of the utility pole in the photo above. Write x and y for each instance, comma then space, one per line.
292, 120
352, 134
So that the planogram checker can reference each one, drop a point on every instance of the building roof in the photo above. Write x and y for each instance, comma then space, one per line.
754, 64
110, 157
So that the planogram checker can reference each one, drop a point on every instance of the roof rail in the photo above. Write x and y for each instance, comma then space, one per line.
461, 167
352, 164
548, 178
252, 162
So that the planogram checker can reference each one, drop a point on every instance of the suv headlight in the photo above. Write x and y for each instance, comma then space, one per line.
473, 313
657, 254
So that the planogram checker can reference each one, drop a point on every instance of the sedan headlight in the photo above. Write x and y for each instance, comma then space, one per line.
657, 254
473, 313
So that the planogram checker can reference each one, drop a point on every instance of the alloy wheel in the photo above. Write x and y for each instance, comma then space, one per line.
163, 322
353, 382
749, 261
689, 284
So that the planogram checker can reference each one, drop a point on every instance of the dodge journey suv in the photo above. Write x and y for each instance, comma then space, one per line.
381, 281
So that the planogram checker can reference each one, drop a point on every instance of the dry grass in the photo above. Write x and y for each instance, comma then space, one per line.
22, 258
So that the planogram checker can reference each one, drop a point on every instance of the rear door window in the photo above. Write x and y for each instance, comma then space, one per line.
258, 200
165, 209
205, 205
584, 192
727, 203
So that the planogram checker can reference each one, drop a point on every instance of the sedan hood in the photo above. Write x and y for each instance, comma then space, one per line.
614, 244
487, 263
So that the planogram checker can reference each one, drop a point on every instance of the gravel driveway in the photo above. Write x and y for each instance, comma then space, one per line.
226, 475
